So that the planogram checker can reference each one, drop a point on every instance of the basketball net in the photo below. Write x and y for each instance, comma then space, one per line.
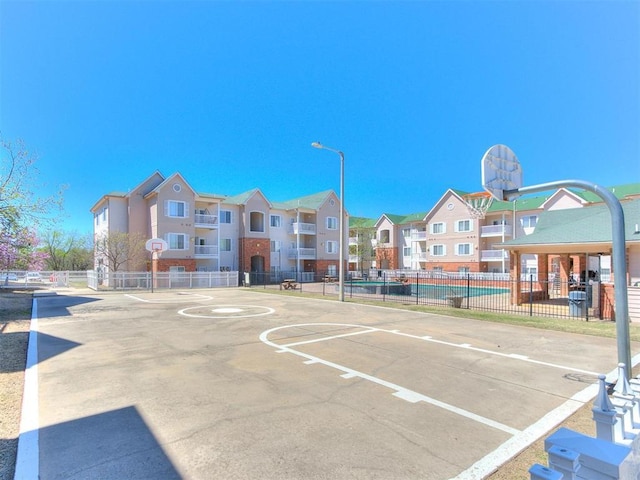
478, 203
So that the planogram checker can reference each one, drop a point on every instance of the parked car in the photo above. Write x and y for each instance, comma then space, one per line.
31, 277
11, 277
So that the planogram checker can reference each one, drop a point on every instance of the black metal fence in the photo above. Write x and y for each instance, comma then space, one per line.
489, 292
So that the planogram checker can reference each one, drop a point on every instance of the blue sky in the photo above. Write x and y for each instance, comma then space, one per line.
231, 95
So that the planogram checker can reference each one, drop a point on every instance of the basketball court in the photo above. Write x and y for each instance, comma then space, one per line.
234, 383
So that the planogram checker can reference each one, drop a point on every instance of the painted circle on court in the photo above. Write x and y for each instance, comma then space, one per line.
226, 311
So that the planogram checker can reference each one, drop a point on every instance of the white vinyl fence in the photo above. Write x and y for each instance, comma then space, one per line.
160, 280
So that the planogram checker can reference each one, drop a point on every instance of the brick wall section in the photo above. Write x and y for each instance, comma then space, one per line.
322, 266
249, 247
389, 254
162, 265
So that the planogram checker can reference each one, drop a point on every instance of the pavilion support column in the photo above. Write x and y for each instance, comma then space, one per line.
543, 275
515, 270
565, 273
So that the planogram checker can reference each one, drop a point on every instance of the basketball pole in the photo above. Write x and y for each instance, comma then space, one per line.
621, 310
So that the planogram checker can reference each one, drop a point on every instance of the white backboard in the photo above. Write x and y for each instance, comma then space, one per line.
501, 171
157, 245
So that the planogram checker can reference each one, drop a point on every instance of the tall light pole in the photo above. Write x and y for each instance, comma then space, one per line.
341, 243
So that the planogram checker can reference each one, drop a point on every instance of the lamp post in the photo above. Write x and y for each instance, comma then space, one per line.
341, 242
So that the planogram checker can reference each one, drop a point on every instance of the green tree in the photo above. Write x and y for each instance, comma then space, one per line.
67, 250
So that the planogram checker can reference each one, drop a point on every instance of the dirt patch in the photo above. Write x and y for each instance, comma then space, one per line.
15, 319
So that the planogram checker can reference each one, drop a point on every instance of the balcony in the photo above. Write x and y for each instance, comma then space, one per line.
206, 221
420, 256
496, 231
302, 253
420, 236
205, 251
303, 228
353, 258
494, 255
353, 240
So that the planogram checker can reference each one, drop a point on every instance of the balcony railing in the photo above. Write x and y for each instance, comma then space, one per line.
493, 255
303, 253
353, 240
206, 250
303, 228
419, 236
206, 221
496, 231
420, 256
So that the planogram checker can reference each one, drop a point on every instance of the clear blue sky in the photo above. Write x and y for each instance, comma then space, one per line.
231, 94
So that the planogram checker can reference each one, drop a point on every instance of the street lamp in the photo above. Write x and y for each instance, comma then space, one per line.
341, 243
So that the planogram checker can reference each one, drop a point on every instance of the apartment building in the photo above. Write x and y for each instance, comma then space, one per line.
212, 232
451, 238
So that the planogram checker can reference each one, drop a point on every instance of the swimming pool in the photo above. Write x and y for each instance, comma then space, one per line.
442, 292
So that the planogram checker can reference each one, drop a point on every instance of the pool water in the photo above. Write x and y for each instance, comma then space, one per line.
441, 292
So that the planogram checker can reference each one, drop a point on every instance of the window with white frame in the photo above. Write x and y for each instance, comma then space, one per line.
406, 232
406, 251
256, 222
104, 214
331, 246
178, 241
332, 223
384, 236
463, 249
176, 209
529, 221
275, 221
276, 245
438, 250
225, 244
464, 225
176, 269
463, 270
437, 228
225, 216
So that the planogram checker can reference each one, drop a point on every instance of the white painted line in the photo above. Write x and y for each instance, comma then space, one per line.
400, 392
28, 458
161, 299
509, 449
267, 311
323, 339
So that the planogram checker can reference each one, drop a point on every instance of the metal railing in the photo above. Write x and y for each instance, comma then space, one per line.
160, 280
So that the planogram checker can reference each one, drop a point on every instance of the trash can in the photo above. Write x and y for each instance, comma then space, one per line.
577, 303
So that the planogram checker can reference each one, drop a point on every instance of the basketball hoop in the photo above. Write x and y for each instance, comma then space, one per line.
157, 246
478, 203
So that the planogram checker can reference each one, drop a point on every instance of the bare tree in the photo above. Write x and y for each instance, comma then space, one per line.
118, 249
20, 206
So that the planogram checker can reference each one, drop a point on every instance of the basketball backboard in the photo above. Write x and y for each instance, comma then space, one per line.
156, 245
501, 171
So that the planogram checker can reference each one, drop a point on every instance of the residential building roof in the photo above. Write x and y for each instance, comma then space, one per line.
590, 224
313, 201
362, 222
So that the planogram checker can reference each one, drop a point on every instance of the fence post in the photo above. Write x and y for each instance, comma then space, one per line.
531, 295
468, 288
384, 284
417, 289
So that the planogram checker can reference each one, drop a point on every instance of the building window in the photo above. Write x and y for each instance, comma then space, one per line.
225, 216
332, 223
406, 232
256, 222
464, 226
176, 209
463, 270
178, 241
438, 250
331, 246
225, 244
276, 245
437, 228
406, 251
463, 249
176, 269
275, 221
384, 236
529, 221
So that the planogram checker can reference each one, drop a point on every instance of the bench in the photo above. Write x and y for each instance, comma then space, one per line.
289, 283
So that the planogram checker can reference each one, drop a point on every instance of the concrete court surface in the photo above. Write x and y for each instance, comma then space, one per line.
240, 384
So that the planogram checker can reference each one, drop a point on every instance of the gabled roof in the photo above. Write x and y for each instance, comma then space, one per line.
243, 198
312, 202
575, 226
167, 180
402, 219
362, 222
620, 191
